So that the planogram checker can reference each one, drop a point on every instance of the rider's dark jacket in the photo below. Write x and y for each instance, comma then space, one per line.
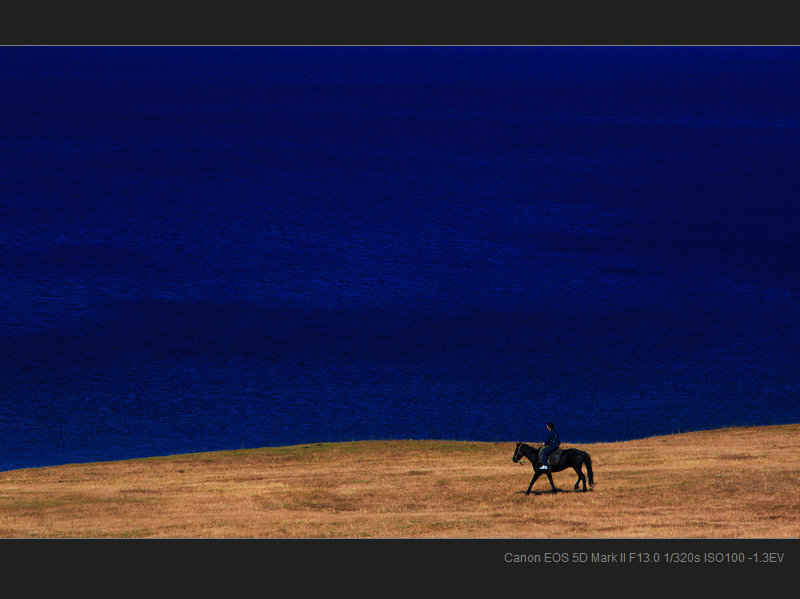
552, 440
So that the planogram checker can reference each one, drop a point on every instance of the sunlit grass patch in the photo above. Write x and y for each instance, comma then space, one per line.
704, 484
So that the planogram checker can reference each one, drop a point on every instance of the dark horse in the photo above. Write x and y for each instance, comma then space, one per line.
570, 458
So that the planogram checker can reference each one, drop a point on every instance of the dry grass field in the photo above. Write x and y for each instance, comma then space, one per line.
739, 482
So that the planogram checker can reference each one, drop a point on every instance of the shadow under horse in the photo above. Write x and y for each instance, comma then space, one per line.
569, 458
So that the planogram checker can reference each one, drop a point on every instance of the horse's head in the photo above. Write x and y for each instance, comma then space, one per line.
517, 453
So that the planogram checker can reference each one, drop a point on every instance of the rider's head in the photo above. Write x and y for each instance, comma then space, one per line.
551, 426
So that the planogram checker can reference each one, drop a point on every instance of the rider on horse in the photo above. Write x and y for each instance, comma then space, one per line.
550, 444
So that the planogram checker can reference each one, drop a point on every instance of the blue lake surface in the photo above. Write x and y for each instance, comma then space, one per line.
216, 248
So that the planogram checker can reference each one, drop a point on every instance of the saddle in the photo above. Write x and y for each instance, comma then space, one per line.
553, 458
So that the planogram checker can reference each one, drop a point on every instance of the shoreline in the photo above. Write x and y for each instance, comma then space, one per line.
312, 443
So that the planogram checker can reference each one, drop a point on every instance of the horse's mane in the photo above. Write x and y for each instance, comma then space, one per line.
536, 448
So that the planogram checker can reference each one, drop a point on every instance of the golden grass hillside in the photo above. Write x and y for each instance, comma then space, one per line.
739, 482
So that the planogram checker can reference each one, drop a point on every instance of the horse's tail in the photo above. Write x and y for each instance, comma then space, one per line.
588, 460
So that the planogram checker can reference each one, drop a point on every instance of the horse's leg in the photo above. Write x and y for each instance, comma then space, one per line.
581, 477
577, 466
550, 478
536, 475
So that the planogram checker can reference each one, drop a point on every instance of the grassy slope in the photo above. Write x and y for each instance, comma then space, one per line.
741, 482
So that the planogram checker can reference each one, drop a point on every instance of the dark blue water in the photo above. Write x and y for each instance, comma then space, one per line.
216, 248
